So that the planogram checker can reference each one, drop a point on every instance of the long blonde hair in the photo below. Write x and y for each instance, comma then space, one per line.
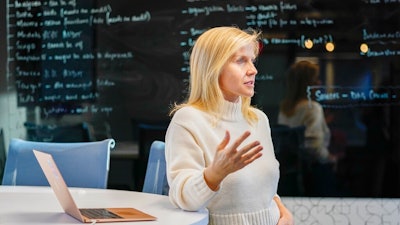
209, 55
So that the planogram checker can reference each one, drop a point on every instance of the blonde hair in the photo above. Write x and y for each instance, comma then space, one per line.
209, 54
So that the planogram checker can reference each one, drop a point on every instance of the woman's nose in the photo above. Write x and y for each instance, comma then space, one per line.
252, 69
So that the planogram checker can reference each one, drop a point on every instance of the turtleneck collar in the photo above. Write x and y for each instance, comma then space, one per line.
232, 110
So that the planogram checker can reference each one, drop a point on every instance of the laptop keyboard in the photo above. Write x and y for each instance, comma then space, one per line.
98, 214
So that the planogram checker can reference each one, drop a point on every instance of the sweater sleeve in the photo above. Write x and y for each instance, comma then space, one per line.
314, 121
185, 166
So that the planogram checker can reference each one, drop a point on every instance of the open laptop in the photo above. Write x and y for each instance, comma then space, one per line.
87, 215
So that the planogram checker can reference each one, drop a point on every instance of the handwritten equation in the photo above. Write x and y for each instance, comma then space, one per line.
343, 97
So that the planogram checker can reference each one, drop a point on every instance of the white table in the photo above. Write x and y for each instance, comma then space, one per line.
38, 205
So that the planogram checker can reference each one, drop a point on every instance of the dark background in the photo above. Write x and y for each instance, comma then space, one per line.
129, 63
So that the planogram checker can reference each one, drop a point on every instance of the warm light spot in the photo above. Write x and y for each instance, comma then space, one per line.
308, 43
364, 48
329, 46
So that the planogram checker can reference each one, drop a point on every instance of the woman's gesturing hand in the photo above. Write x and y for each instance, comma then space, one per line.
229, 159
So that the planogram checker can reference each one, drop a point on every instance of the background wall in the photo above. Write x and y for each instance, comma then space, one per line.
12, 117
114, 66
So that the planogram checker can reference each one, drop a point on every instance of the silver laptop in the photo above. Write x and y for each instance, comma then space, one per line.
87, 215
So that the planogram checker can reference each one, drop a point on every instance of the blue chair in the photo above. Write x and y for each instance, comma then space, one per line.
155, 180
2, 153
82, 164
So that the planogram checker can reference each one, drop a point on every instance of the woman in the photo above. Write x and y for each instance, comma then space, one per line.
219, 151
297, 109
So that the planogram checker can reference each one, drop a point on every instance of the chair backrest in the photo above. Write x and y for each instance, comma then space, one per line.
289, 150
147, 133
82, 164
2, 153
155, 180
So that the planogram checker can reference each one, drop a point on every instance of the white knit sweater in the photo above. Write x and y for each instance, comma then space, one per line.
246, 196
317, 134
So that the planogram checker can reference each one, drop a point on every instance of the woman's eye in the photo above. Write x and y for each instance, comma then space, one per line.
241, 60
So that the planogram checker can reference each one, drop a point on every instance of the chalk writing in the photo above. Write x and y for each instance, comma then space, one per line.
300, 41
61, 44
87, 109
207, 10
385, 52
55, 56
273, 16
373, 2
367, 35
342, 97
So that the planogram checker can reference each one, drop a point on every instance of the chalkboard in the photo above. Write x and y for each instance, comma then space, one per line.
123, 63
65, 53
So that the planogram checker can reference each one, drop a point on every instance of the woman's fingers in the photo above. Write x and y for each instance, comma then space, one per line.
224, 141
239, 141
232, 158
251, 155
